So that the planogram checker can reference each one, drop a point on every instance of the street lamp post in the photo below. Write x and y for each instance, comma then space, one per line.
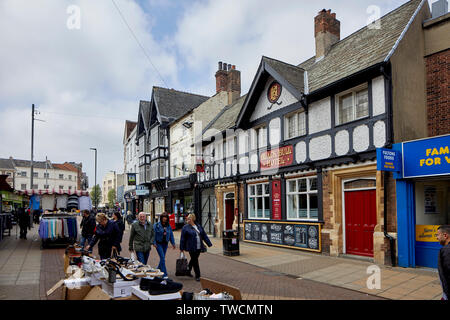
95, 183
115, 184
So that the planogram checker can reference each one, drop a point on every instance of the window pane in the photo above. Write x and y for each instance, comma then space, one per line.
292, 206
313, 184
313, 206
301, 124
302, 185
362, 104
251, 190
346, 108
267, 207
259, 189
252, 208
292, 186
303, 204
259, 207
266, 188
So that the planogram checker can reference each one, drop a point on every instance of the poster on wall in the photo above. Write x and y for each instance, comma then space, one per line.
430, 200
276, 200
302, 236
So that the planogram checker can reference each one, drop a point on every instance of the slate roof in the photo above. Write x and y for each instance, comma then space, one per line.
173, 104
6, 164
144, 109
226, 118
361, 50
292, 74
36, 164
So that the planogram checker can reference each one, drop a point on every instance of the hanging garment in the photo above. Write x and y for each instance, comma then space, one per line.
48, 202
72, 202
85, 203
35, 202
61, 201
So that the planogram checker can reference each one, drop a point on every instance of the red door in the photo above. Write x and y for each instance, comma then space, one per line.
360, 220
229, 214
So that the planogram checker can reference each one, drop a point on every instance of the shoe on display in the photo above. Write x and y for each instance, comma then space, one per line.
157, 285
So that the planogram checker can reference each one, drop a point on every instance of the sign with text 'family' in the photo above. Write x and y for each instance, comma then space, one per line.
388, 160
427, 157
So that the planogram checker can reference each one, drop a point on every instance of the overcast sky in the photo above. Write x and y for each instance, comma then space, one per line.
86, 82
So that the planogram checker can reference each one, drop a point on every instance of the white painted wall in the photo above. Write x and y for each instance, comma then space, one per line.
319, 116
361, 138
378, 96
320, 148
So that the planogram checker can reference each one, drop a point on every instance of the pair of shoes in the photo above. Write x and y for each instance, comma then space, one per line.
157, 285
197, 279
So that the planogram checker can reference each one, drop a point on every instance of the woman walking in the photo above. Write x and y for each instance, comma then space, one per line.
192, 237
117, 217
163, 235
107, 234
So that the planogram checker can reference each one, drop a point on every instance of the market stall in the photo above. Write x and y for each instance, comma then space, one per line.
58, 228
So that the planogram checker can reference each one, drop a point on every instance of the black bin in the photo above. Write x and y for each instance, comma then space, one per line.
230, 243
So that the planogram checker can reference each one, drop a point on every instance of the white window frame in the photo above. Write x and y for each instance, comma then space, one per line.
354, 91
256, 196
308, 192
301, 116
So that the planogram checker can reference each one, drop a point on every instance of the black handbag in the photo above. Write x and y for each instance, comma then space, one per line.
182, 268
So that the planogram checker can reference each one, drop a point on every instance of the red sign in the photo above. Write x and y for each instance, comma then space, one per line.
274, 92
277, 158
276, 200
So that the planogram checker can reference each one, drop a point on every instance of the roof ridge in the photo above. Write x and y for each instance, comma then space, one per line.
286, 63
179, 91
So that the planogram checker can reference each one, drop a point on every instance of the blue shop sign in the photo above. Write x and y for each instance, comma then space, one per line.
388, 160
427, 157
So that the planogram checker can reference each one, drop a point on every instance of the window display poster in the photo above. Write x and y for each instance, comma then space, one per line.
430, 200
276, 200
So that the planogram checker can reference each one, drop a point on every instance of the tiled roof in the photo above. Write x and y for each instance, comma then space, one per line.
361, 50
173, 104
65, 166
129, 127
36, 164
292, 74
6, 164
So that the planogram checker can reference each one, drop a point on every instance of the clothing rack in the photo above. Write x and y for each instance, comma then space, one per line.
58, 229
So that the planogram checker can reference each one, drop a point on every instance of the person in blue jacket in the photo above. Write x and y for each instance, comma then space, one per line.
163, 235
192, 237
107, 234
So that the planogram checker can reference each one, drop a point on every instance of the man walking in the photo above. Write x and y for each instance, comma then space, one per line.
142, 237
87, 228
443, 236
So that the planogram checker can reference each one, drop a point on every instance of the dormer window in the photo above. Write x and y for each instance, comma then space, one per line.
352, 105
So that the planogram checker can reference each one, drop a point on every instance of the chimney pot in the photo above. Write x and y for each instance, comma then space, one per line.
233, 67
229, 67
220, 65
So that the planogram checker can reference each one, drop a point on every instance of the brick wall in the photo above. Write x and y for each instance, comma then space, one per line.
438, 89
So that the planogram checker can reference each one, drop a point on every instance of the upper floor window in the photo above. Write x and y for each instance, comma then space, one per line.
23, 186
61, 176
154, 138
35, 175
294, 125
258, 137
229, 147
352, 105
70, 177
46, 175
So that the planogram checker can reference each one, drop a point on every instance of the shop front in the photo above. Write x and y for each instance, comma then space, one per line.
182, 201
423, 199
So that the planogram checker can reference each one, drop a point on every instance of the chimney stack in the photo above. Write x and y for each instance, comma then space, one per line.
327, 31
228, 79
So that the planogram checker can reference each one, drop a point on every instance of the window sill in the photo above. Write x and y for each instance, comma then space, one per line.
350, 122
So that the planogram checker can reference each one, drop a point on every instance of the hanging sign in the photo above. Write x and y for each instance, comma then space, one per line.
388, 160
131, 179
274, 92
276, 200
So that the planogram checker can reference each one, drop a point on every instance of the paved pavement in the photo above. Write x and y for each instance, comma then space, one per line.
260, 272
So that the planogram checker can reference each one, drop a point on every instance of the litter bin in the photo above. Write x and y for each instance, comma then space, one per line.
230, 243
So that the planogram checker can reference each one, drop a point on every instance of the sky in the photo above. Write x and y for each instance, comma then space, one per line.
86, 64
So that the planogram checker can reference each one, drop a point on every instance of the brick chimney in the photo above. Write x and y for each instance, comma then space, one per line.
327, 31
228, 79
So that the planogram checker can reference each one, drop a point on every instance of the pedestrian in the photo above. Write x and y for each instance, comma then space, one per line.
87, 226
130, 218
163, 235
119, 221
107, 235
24, 223
192, 237
142, 237
443, 236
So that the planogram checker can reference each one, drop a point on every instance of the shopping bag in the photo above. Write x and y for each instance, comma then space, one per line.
182, 268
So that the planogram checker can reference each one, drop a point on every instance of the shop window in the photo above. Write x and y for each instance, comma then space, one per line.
259, 201
352, 105
302, 199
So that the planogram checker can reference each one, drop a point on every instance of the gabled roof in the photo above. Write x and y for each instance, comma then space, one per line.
129, 127
225, 119
289, 76
143, 117
364, 48
36, 164
65, 166
172, 104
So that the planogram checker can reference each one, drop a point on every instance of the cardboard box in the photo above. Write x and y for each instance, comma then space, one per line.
97, 279
120, 288
75, 294
96, 293
144, 295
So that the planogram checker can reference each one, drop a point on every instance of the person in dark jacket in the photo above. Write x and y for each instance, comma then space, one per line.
87, 228
142, 236
107, 235
24, 222
192, 237
163, 235
117, 217
443, 236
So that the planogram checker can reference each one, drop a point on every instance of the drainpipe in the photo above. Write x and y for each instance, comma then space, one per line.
385, 174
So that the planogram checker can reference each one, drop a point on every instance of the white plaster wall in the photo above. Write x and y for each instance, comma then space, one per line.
243, 165
216, 171
379, 134
361, 138
228, 169
378, 96
263, 103
243, 140
221, 170
234, 165
254, 162
275, 133
342, 142
319, 115
300, 152
320, 148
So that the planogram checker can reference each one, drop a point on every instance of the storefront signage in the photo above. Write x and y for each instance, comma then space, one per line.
142, 191
388, 160
277, 158
427, 157
426, 233
131, 179
302, 236
274, 92
276, 200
